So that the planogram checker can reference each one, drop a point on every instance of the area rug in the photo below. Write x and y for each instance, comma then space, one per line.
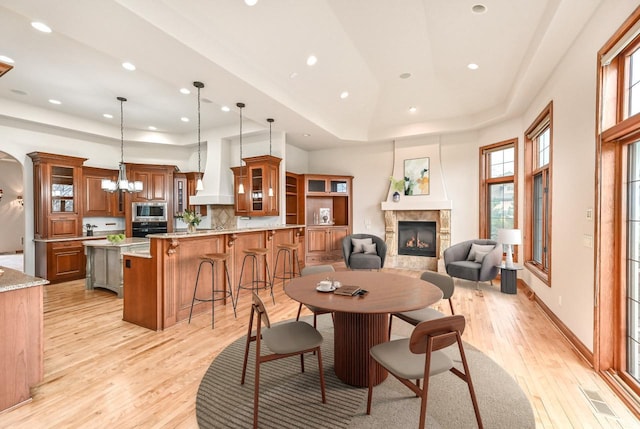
291, 399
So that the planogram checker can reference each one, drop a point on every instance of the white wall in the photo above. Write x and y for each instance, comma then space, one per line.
11, 212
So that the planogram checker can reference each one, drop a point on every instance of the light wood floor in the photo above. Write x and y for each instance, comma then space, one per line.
101, 372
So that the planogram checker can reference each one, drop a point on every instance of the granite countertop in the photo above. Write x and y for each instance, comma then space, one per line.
205, 232
124, 243
13, 279
101, 235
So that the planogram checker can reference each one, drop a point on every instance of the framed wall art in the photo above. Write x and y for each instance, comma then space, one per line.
416, 176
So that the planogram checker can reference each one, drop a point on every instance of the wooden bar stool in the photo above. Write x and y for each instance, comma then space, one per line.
252, 255
290, 258
227, 289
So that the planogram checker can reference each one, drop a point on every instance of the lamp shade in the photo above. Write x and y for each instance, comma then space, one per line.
509, 236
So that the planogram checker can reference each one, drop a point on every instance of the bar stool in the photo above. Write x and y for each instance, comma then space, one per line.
290, 255
252, 255
211, 259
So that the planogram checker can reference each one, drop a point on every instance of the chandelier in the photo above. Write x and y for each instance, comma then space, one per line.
199, 185
270, 121
122, 184
241, 186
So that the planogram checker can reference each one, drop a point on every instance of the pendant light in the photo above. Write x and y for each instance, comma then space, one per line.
122, 183
241, 186
199, 186
270, 121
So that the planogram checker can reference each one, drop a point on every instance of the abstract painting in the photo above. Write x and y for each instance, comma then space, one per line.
416, 176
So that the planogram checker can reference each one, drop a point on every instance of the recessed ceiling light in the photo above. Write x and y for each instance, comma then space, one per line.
473, 66
312, 60
293, 75
40, 26
307, 135
250, 2
108, 115
344, 94
54, 101
478, 8
18, 91
225, 109
405, 75
184, 119
152, 128
185, 91
6, 59
412, 109
128, 66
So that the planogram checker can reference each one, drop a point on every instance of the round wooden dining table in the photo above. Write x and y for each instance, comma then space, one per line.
362, 321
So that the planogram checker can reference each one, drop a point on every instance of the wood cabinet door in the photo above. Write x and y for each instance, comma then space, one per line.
336, 235
180, 196
158, 189
65, 261
316, 240
97, 202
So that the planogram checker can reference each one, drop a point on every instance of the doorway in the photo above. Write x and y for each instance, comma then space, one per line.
12, 227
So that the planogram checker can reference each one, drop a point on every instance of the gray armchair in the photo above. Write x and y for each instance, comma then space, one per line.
364, 252
475, 260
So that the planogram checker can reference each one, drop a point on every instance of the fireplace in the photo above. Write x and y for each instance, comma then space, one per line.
417, 238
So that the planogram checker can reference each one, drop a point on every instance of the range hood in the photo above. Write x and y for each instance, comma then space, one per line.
217, 177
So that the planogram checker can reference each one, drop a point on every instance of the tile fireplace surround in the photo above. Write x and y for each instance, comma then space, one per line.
441, 217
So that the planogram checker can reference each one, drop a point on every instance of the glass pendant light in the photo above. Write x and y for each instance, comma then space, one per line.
241, 186
122, 183
270, 121
199, 185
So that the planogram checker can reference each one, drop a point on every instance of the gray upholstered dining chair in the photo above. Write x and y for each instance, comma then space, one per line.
364, 252
475, 260
420, 357
283, 340
314, 269
445, 284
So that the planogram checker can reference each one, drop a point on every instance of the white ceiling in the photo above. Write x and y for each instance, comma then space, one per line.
248, 54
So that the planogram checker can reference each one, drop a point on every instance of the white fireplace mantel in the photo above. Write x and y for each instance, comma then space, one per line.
416, 203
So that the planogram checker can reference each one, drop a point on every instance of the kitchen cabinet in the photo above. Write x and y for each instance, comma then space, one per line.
57, 184
60, 261
294, 199
328, 216
97, 201
324, 244
157, 181
260, 178
184, 186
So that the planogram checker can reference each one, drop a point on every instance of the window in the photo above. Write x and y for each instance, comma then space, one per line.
617, 310
538, 155
498, 195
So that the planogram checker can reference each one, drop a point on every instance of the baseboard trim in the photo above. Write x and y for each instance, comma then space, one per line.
579, 347
628, 398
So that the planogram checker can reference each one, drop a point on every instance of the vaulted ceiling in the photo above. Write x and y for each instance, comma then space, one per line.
388, 55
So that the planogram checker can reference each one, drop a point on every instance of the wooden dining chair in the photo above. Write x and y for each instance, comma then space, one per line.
445, 284
314, 269
284, 340
420, 357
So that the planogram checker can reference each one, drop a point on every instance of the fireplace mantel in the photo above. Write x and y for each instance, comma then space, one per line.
415, 203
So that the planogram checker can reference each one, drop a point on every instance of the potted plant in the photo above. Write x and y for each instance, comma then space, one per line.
191, 218
397, 185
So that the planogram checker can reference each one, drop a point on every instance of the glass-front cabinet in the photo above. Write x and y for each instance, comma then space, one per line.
57, 181
260, 179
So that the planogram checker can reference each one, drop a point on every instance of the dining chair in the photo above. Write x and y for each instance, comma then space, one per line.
283, 340
314, 269
420, 357
445, 284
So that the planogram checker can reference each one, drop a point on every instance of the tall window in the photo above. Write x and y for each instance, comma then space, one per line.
617, 335
538, 143
498, 193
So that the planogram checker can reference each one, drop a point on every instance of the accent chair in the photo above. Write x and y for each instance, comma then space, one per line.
474, 260
364, 252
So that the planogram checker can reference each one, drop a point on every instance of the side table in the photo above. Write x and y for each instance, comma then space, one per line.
509, 278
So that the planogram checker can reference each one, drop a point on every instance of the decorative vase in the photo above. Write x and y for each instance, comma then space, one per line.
191, 228
396, 197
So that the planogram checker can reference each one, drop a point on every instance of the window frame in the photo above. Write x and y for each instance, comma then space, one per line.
543, 121
486, 181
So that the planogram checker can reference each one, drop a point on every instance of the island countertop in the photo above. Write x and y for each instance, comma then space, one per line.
205, 232
13, 279
124, 243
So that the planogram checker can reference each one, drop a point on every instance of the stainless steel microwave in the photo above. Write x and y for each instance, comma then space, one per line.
149, 212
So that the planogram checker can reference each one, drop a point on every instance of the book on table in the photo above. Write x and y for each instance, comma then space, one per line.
348, 290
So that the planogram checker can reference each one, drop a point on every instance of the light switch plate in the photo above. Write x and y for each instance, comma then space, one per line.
589, 214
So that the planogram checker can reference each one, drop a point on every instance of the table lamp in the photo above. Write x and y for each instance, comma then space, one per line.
509, 237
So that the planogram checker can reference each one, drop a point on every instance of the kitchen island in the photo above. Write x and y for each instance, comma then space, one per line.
104, 262
21, 330
158, 286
